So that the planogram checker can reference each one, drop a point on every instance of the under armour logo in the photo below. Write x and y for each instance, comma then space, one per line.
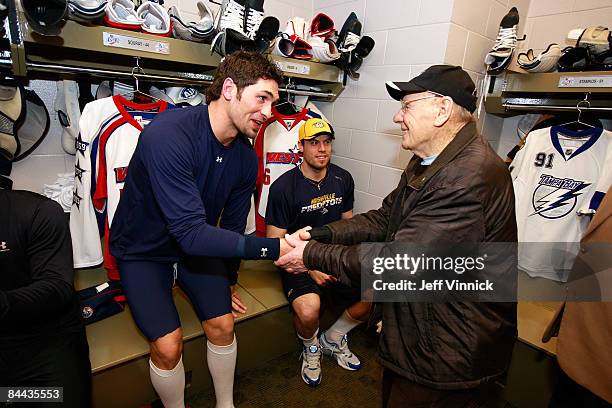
264, 252
3, 247
219, 159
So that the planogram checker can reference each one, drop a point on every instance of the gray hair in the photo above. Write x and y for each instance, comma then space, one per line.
462, 115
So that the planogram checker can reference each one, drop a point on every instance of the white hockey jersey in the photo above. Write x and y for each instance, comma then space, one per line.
277, 151
560, 177
109, 131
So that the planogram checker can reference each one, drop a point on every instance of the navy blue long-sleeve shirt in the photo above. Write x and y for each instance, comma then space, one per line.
182, 183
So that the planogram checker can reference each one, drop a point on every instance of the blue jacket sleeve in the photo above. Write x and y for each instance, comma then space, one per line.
172, 162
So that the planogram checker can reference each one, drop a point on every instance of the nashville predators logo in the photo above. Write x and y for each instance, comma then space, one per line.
321, 203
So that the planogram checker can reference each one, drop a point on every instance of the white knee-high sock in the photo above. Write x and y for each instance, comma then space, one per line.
222, 364
342, 326
169, 384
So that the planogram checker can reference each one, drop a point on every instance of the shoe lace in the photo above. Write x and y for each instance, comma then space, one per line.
342, 348
313, 359
506, 39
350, 42
231, 16
253, 21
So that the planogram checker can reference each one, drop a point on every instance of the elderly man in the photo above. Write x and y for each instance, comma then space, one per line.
455, 189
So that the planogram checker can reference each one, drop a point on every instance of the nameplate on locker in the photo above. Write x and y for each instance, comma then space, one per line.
591, 81
134, 43
293, 67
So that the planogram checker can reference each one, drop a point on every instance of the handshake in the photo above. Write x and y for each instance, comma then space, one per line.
292, 251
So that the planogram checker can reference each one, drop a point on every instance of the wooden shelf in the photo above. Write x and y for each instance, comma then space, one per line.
549, 82
516, 93
81, 46
80, 50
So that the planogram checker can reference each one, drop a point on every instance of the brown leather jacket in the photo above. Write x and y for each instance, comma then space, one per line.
465, 195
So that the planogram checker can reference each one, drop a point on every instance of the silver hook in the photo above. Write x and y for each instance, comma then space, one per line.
584, 101
137, 68
290, 85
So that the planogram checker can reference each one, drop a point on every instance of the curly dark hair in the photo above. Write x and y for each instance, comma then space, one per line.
245, 68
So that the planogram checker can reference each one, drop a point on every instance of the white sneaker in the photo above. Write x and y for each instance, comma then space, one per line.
340, 352
311, 365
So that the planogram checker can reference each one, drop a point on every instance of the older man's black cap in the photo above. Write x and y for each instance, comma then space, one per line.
446, 80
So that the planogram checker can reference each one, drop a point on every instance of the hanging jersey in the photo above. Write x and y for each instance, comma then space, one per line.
109, 133
277, 151
560, 177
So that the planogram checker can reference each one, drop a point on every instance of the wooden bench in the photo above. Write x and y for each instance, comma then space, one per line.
119, 352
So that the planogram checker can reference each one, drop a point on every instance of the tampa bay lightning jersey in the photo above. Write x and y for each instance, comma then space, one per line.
560, 177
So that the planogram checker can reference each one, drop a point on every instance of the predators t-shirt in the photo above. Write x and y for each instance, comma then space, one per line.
295, 201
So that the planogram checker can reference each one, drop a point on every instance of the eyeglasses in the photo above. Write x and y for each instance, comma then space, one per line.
406, 104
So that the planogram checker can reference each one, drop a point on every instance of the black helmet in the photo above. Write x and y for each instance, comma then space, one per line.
45, 17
